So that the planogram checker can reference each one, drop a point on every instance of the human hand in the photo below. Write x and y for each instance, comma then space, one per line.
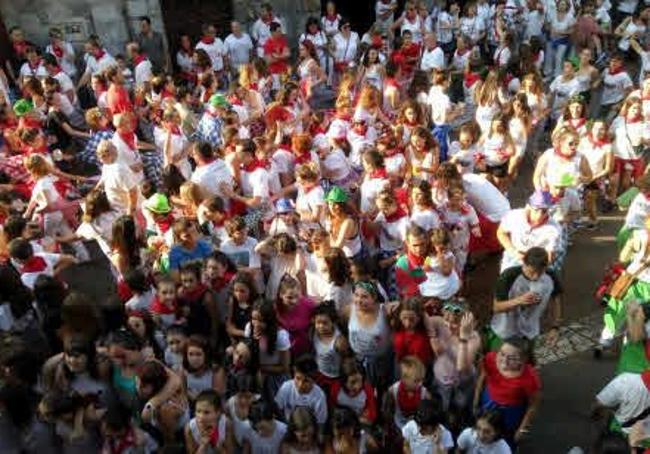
466, 326
528, 299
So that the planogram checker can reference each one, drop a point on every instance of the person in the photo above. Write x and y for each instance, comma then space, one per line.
302, 432
425, 433
31, 265
213, 46
239, 47
303, 392
142, 66
265, 433
261, 30
152, 45
354, 392
97, 62
188, 245
118, 181
210, 430
484, 436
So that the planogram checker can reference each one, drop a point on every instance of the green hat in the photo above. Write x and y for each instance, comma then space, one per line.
575, 61
219, 100
566, 180
158, 203
337, 195
23, 107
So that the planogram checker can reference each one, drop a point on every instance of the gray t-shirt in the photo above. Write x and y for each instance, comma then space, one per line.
154, 47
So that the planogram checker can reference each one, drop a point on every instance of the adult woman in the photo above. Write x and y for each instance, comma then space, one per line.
345, 230
310, 72
563, 159
372, 69
125, 245
520, 123
423, 210
422, 155
509, 384
185, 59
574, 116
596, 146
370, 334
562, 88
317, 37
533, 87
561, 25
345, 43
587, 75
486, 96
410, 21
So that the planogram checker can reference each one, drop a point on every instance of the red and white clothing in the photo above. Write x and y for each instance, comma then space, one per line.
65, 57
119, 181
502, 56
363, 404
179, 144
33, 70
427, 218
215, 49
413, 25
127, 152
459, 223
99, 62
142, 71
217, 438
311, 201
373, 183
392, 230
433, 59
406, 402
261, 32
615, 86
494, 151
345, 49
40, 263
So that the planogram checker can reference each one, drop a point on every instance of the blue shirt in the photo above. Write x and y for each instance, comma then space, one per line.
179, 255
208, 130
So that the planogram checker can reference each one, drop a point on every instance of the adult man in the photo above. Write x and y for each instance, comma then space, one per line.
409, 267
211, 122
433, 57
522, 296
213, 46
152, 44
276, 53
97, 60
261, 30
239, 47
142, 66
211, 173
51, 64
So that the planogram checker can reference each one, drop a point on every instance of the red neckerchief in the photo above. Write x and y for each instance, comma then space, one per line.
221, 282
128, 138
597, 142
300, 159
376, 42
99, 54
164, 224
29, 122
616, 71
124, 443
166, 94
398, 214
536, 55
159, 308
195, 294
331, 17
235, 101
174, 129
189, 52
414, 261
360, 129
539, 223
209, 40
645, 376
56, 70
267, 20
34, 264
636, 119
559, 154
212, 112
57, 50
577, 124
393, 151
20, 47
138, 59
214, 436
408, 401
344, 116
462, 53
390, 82
252, 86
254, 165
314, 130
471, 79
378, 174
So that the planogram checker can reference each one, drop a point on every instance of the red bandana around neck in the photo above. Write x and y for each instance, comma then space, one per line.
174, 129
157, 307
577, 124
123, 444
165, 223
57, 51
560, 155
304, 158
99, 54
214, 437
616, 71
414, 260
332, 17
209, 40
631, 121
195, 294
138, 59
128, 138
398, 214
254, 165
381, 174
408, 401
34, 264
471, 79
598, 142
34, 66
221, 282
539, 223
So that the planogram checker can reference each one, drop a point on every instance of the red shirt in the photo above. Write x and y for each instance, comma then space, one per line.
276, 46
510, 391
118, 99
414, 344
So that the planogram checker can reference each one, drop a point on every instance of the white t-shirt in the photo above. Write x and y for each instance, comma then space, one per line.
444, 31
432, 59
422, 444
178, 144
392, 235
27, 71
638, 211
119, 180
369, 189
563, 90
94, 66
485, 197
426, 219
263, 445
215, 51
440, 105
628, 394
345, 49
468, 441
614, 87
282, 344
238, 49
210, 177
143, 73
524, 237
288, 398
310, 202
244, 254
255, 183
29, 277
127, 156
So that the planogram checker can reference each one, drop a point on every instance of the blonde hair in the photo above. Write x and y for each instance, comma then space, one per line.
191, 192
94, 117
120, 120
104, 148
308, 172
37, 165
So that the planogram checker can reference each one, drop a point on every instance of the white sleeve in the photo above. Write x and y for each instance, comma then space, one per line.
282, 395
610, 395
261, 186
283, 342
446, 439
321, 409
506, 223
465, 439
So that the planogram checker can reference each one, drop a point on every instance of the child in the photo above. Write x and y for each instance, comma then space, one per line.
210, 430
302, 391
158, 212
197, 371
265, 433
176, 339
329, 344
392, 223
423, 210
238, 406
241, 360
485, 436
567, 205
121, 435
164, 306
441, 276
463, 152
31, 265
212, 216
394, 159
409, 337
243, 294
497, 149
285, 220
355, 392
196, 302
425, 433
461, 220
218, 274
302, 434
240, 248
404, 396
143, 291
294, 312
375, 180
285, 260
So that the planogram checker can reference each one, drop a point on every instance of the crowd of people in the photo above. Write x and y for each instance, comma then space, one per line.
290, 234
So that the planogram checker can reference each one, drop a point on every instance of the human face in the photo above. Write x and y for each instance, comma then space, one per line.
354, 384
485, 431
189, 281
76, 362
137, 326
211, 31
509, 358
598, 130
189, 236
206, 415
409, 319
331, 8
387, 207
176, 342
241, 354
195, 357
498, 127
235, 28
418, 142
290, 297
313, 28
569, 146
537, 214
410, 115
186, 43
373, 56
145, 28
567, 69
452, 320
634, 111
465, 139
575, 110
17, 35
167, 293
364, 300
304, 437
418, 196
411, 383
585, 56
323, 325
241, 292
258, 323
531, 273
417, 245
214, 269
304, 383
238, 237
